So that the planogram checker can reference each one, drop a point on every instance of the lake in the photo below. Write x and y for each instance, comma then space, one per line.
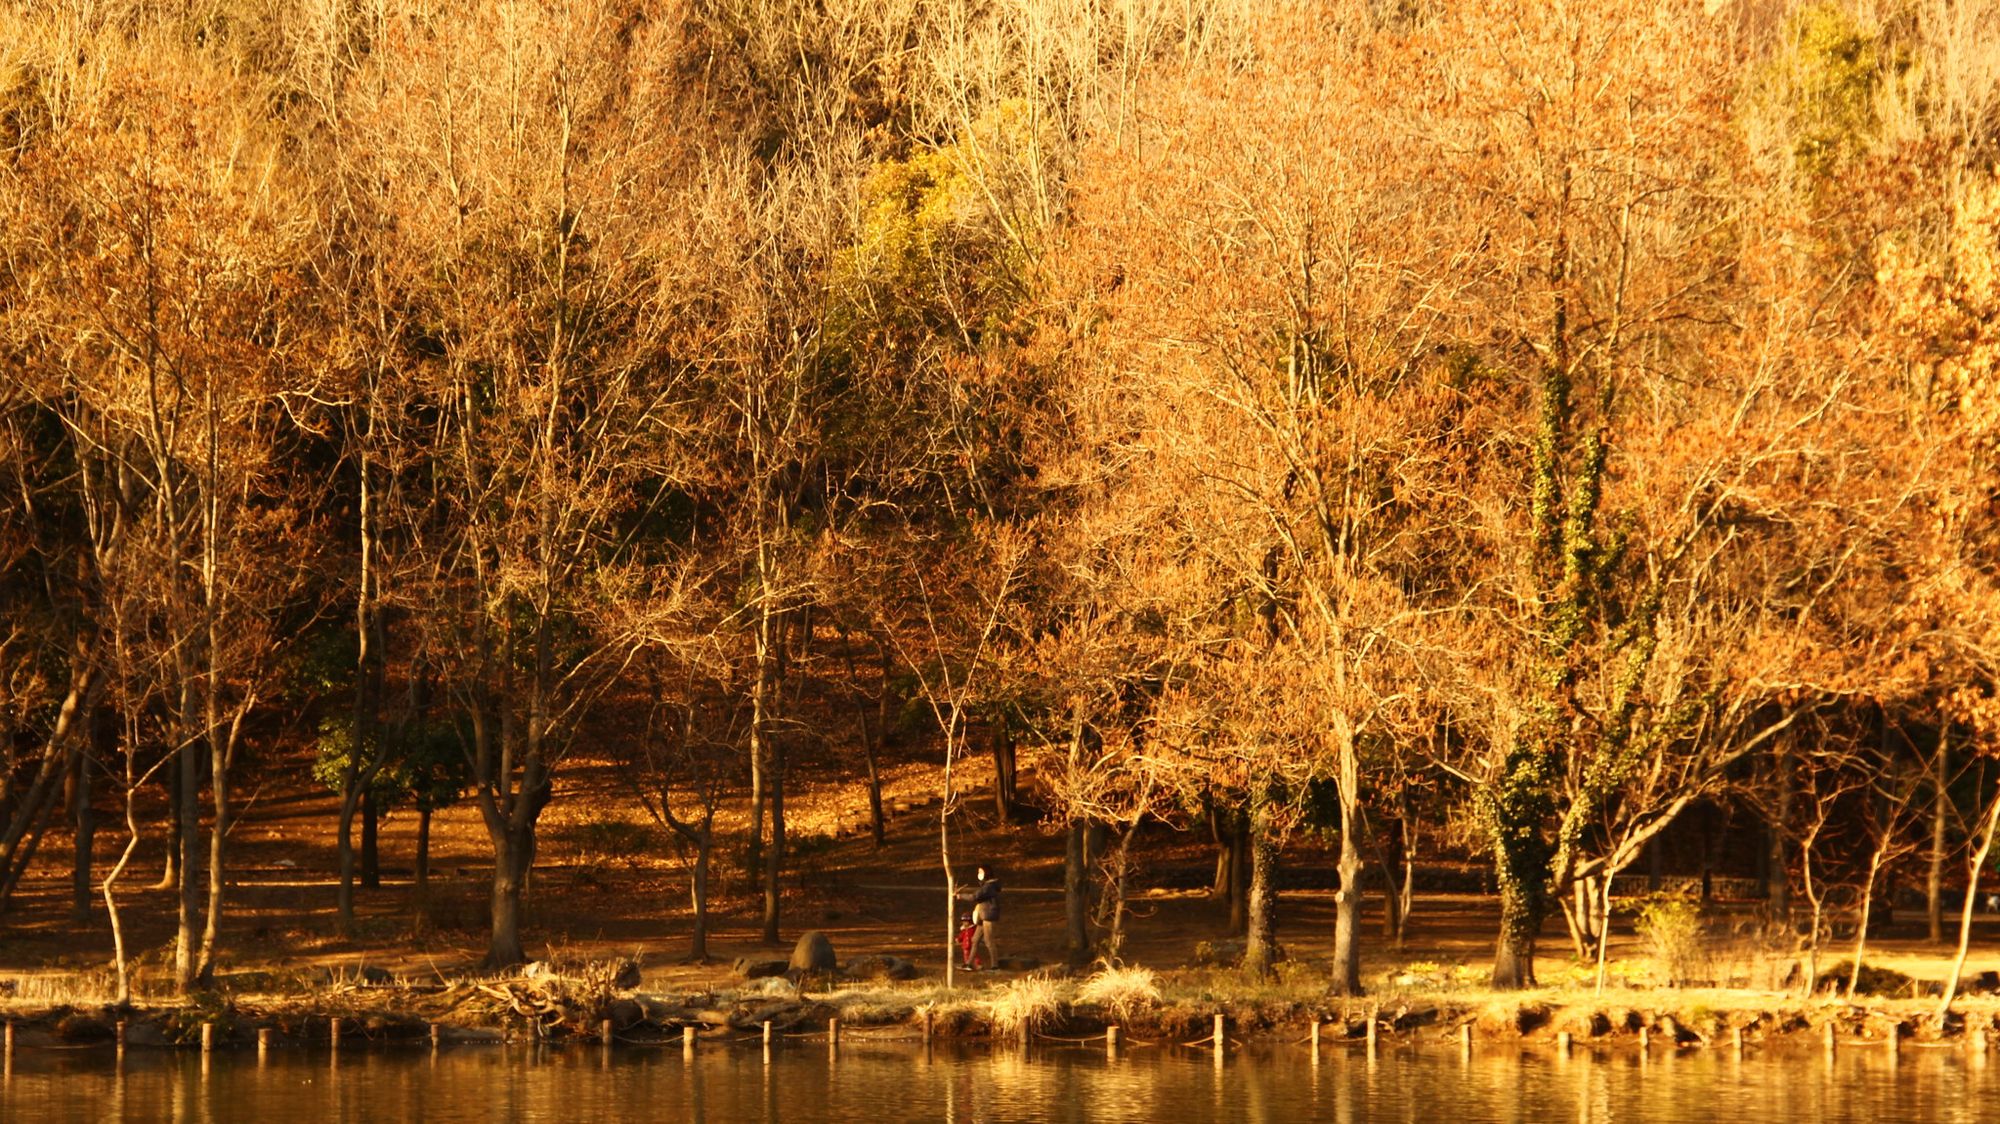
877, 1082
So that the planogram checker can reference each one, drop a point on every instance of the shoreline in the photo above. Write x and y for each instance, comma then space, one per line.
1028, 1009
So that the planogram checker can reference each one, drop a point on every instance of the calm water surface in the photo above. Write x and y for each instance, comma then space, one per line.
875, 1083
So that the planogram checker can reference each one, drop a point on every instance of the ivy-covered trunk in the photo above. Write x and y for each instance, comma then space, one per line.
1518, 806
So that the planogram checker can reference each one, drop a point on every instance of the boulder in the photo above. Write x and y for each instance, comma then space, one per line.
814, 953
881, 968
1583, 1023
752, 969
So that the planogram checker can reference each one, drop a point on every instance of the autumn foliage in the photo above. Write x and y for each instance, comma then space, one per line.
1527, 420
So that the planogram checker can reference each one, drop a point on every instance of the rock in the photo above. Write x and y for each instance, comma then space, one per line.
1406, 1019
1018, 964
750, 969
80, 1027
1521, 1018
1672, 1029
881, 968
1584, 1023
814, 953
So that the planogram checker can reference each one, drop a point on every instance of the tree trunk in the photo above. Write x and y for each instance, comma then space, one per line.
1408, 891
343, 851
120, 962
220, 746
882, 727
1260, 951
1982, 848
1118, 868
1347, 902
1867, 907
1239, 879
1392, 892
1224, 835
774, 856
421, 892
1940, 810
170, 873
188, 823
874, 734
1520, 923
1779, 897
698, 895
754, 859
371, 866
83, 818
503, 948
1003, 771
1076, 898
356, 776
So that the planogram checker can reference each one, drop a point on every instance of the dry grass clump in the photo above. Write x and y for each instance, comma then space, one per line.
63, 989
1025, 1005
1121, 990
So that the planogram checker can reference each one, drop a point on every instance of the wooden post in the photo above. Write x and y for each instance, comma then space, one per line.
1465, 1040
437, 1035
832, 1035
1564, 1042
1374, 1028
263, 1043
1315, 1040
121, 1038
605, 1033
207, 1037
1979, 1043
1110, 1041
687, 1041
1894, 1042
1645, 1039
927, 1024
1826, 1034
333, 1034
1736, 1039
10, 1038
767, 1035
1218, 1038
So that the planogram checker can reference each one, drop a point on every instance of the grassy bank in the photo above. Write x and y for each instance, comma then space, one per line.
1149, 1008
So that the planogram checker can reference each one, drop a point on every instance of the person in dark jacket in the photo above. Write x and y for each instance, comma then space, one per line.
986, 913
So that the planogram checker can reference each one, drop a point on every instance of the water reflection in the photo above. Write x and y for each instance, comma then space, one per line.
875, 1083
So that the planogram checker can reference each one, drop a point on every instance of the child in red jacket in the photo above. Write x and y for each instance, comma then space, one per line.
967, 932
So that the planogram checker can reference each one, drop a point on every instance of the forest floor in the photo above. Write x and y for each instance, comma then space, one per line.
608, 886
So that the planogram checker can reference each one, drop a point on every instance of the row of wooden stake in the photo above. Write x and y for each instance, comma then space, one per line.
1565, 1041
